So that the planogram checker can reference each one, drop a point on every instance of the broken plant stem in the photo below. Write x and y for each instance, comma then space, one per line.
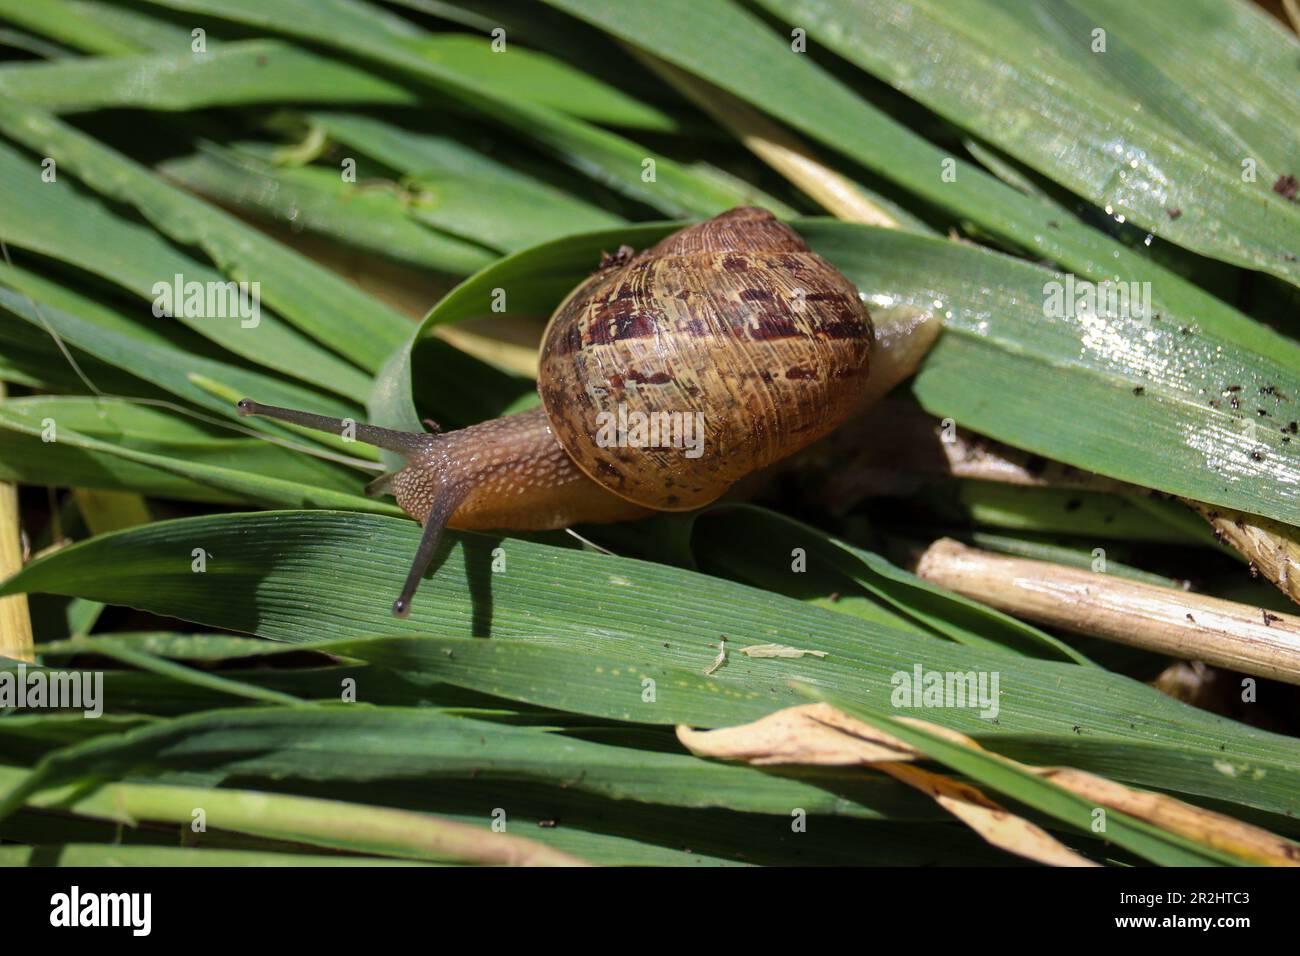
1270, 547
15, 621
1177, 623
720, 659
917, 445
1292, 9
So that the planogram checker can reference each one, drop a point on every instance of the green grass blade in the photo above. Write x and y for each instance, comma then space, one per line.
326, 823
82, 855
1220, 96
114, 339
58, 220
242, 486
242, 73
150, 429
360, 744
1055, 108
278, 575
377, 221
1146, 402
25, 457
751, 530
518, 73
60, 20
361, 30
319, 302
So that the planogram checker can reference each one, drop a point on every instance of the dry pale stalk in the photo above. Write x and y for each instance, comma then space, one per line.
897, 444
1292, 9
777, 147
1212, 829
15, 621
1269, 546
1177, 623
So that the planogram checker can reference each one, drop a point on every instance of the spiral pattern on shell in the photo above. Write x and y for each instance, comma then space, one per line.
734, 322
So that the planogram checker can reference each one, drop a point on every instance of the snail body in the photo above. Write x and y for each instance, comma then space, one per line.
732, 331
508, 472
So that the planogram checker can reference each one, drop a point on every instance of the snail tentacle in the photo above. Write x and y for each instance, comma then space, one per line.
444, 505
405, 443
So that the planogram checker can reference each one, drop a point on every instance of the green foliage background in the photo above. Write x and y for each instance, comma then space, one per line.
478, 170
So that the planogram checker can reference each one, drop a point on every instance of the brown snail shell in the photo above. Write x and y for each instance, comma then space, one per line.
735, 320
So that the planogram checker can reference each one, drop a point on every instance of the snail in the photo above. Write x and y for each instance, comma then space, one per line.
733, 329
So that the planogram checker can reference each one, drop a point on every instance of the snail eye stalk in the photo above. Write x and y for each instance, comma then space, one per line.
410, 444
443, 508
405, 443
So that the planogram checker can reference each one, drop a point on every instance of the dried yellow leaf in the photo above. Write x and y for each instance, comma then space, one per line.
811, 734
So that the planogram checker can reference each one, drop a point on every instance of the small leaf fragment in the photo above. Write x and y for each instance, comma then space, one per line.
719, 660
778, 650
